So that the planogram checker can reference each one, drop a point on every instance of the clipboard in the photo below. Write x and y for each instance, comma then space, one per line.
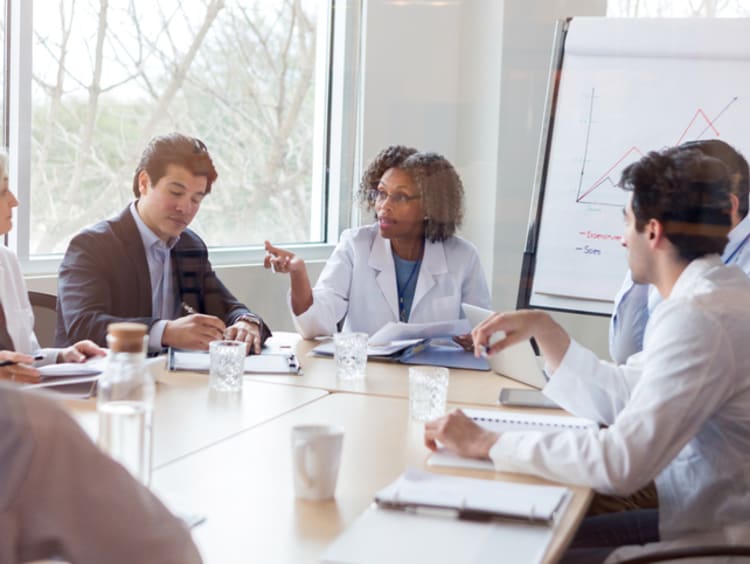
264, 363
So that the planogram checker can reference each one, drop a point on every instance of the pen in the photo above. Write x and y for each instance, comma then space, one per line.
273, 267
12, 362
188, 309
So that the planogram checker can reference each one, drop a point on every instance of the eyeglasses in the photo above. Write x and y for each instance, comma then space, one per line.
397, 198
200, 146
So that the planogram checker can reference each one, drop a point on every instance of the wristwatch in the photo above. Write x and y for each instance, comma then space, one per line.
251, 318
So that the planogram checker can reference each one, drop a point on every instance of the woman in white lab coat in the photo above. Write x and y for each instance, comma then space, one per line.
19, 348
408, 266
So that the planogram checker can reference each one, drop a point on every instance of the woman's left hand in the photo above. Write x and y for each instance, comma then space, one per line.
81, 351
465, 341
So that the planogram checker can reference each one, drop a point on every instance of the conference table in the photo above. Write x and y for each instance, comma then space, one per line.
227, 456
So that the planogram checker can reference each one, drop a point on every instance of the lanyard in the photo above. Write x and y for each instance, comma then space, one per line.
737, 249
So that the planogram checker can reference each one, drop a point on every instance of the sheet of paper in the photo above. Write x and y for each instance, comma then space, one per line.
328, 349
69, 369
393, 331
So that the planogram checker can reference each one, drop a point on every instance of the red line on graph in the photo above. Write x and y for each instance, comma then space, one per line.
604, 176
698, 112
634, 148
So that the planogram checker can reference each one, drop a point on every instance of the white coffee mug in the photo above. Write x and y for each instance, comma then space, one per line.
316, 455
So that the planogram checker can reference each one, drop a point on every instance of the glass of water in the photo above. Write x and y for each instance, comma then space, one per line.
227, 365
428, 392
351, 355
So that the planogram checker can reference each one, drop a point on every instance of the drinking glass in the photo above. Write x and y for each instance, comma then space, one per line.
428, 392
351, 355
227, 365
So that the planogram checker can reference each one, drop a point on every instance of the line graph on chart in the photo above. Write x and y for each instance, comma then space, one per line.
603, 191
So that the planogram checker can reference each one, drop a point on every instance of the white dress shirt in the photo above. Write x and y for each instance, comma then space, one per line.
678, 412
19, 317
359, 282
163, 293
634, 302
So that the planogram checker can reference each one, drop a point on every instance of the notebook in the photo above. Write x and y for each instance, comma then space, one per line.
265, 363
518, 362
505, 421
472, 498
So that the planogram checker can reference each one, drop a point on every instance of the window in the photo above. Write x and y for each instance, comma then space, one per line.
671, 9
251, 78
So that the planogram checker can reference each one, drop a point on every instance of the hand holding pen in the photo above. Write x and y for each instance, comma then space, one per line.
281, 261
18, 367
193, 331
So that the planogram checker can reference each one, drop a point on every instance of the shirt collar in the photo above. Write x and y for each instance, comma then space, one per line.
149, 238
694, 272
737, 235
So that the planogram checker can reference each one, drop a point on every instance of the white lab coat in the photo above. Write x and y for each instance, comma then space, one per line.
359, 282
678, 412
19, 317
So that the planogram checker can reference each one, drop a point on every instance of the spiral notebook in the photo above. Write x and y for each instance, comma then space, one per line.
505, 421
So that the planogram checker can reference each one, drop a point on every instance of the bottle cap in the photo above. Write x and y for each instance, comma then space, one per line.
126, 336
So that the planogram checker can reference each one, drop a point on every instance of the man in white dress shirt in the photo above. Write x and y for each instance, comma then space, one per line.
60, 496
635, 302
677, 413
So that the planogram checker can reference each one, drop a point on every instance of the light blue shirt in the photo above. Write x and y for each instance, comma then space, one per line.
635, 302
407, 272
163, 295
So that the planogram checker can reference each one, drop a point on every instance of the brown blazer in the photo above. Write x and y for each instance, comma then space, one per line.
104, 278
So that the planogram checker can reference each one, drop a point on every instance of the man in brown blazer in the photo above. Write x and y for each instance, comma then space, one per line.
145, 265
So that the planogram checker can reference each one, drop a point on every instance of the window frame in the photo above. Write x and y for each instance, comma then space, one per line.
335, 161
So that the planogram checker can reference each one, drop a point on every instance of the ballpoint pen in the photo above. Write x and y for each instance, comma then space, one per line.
188, 309
12, 362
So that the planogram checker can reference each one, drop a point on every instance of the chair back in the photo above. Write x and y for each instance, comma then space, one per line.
45, 317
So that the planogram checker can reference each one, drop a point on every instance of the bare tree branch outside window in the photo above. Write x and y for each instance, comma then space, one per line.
110, 74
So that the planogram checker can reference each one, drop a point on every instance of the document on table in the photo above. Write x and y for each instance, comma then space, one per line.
400, 331
265, 363
402, 536
473, 498
505, 421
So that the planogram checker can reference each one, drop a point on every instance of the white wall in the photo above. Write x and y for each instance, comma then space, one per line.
466, 79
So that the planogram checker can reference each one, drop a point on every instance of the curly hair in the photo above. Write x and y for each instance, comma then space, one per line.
439, 186
175, 149
688, 192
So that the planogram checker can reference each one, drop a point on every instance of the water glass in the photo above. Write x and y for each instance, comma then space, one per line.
227, 365
428, 392
351, 355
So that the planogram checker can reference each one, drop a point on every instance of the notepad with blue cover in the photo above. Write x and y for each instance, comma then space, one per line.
441, 351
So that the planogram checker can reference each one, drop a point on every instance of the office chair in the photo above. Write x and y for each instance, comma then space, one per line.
45, 317
689, 552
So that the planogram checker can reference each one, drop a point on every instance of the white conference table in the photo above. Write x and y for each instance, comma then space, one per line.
243, 485
188, 416
383, 378
227, 455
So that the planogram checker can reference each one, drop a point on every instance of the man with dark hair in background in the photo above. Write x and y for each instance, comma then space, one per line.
635, 302
145, 265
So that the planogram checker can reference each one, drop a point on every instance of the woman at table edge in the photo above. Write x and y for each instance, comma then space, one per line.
408, 266
18, 343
